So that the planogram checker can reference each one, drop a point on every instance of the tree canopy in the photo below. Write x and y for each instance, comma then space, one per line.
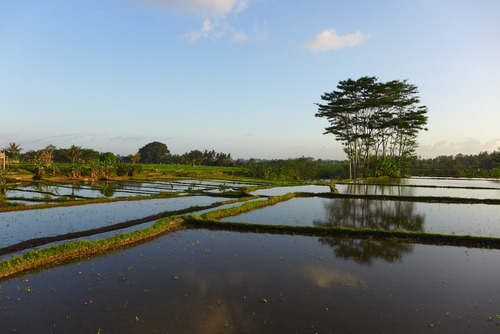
377, 122
154, 153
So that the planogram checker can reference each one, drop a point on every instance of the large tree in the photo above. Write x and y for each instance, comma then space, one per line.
154, 153
377, 122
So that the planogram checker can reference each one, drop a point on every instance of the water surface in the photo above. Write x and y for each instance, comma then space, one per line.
17, 226
402, 190
199, 281
278, 191
460, 219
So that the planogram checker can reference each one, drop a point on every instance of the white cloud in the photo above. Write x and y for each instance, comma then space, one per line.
329, 40
203, 8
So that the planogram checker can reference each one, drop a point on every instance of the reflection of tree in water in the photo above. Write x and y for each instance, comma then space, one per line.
107, 189
366, 251
372, 214
75, 187
383, 187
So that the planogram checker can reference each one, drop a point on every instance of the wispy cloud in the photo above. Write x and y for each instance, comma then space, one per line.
130, 138
239, 37
209, 29
215, 15
329, 40
257, 34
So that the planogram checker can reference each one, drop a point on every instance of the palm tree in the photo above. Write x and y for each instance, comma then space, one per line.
13, 151
74, 153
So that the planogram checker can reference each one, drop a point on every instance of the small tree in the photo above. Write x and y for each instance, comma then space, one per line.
47, 155
108, 157
74, 153
135, 158
89, 155
13, 151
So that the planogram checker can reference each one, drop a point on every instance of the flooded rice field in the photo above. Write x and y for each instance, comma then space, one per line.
18, 226
440, 182
438, 187
460, 219
278, 191
198, 280
87, 190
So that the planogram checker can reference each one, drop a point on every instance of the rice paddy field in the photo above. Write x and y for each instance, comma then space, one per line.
223, 280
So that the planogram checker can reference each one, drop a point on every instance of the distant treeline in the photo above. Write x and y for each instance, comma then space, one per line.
483, 164
304, 168
205, 158
102, 164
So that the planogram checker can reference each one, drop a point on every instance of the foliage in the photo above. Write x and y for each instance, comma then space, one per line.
47, 155
292, 169
12, 151
374, 119
338, 170
89, 155
483, 164
108, 157
384, 166
102, 169
135, 158
76, 170
206, 158
74, 153
123, 169
153, 153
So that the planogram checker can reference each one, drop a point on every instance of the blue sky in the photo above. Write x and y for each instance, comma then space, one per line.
239, 76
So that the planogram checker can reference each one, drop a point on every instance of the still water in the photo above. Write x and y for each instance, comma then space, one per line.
278, 191
113, 189
460, 219
18, 226
437, 187
441, 182
200, 281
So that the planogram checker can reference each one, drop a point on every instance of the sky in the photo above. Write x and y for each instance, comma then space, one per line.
240, 76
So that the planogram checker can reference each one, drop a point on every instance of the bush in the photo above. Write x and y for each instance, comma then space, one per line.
123, 169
